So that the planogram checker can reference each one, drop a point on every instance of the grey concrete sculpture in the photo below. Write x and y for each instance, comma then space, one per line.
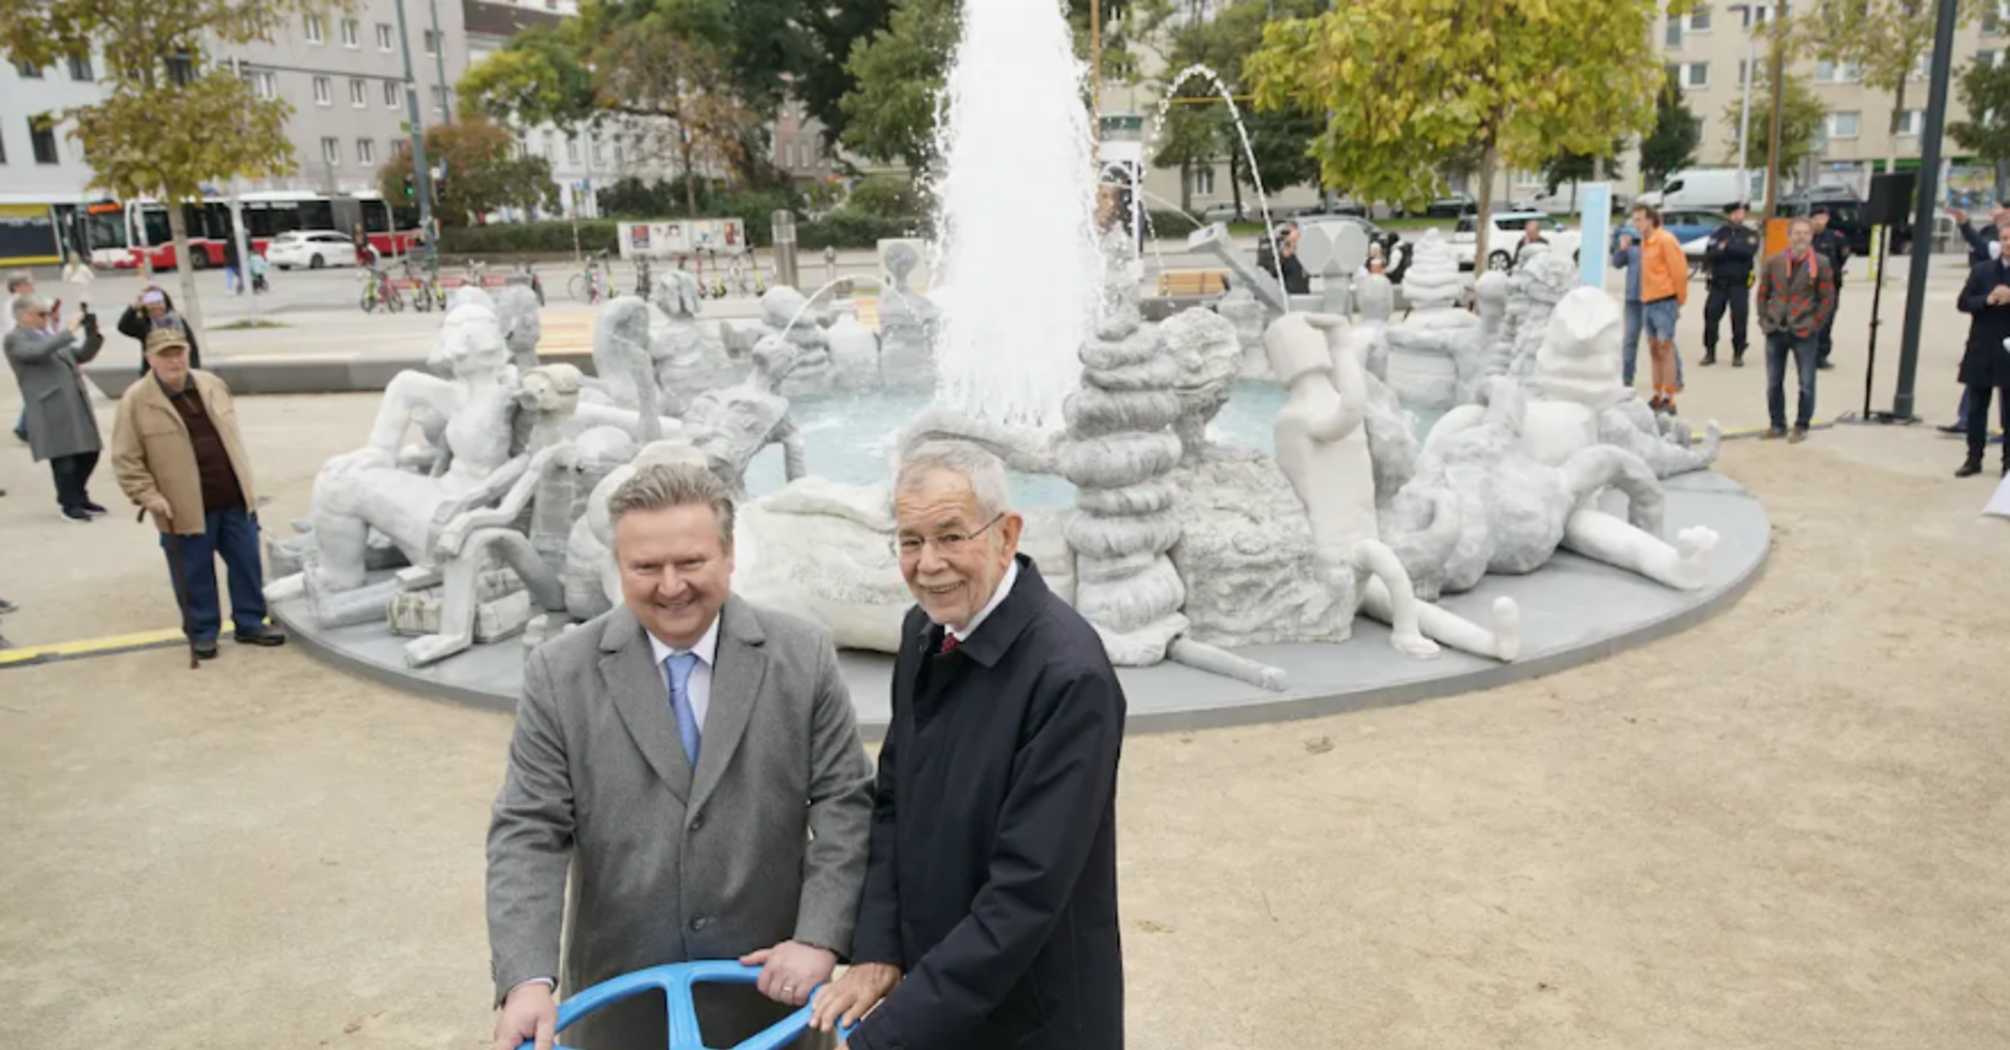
688, 357
1436, 349
907, 325
733, 424
523, 325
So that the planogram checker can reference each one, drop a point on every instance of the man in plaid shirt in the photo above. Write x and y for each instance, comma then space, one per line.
1797, 300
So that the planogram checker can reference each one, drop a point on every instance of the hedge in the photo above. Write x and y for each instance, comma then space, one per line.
839, 229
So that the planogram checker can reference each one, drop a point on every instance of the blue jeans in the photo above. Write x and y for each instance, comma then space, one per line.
1630, 349
1807, 353
1632, 344
233, 536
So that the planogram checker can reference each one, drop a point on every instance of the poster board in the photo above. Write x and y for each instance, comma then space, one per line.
671, 238
1594, 207
1776, 238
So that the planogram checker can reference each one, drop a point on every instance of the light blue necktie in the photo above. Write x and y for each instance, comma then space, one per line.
680, 666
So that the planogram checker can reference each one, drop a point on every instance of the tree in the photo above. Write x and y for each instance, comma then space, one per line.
537, 78
1985, 94
827, 76
1677, 134
483, 172
898, 72
1885, 41
890, 114
1800, 130
650, 68
1573, 167
170, 120
1408, 83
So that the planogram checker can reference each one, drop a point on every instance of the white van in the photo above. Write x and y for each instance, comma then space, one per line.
1713, 188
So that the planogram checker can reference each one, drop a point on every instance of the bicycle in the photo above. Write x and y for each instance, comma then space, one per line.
590, 286
426, 290
379, 291
718, 274
475, 272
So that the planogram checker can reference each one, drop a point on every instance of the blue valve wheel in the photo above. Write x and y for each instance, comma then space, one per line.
675, 982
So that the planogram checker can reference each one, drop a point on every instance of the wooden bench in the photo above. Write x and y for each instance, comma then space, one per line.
1185, 283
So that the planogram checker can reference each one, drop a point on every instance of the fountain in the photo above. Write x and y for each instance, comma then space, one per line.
1234, 538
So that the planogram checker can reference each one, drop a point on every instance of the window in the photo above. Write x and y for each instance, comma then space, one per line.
181, 70
1843, 125
1699, 18
1743, 71
385, 39
324, 92
331, 150
1674, 37
1992, 19
359, 93
314, 29
619, 159
263, 85
1202, 180
392, 97
1827, 72
42, 134
432, 43
550, 144
598, 157
352, 33
80, 68
1985, 58
1691, 74
572, 151
440, 98
28, 70
1909, 122
3, 149
366, 152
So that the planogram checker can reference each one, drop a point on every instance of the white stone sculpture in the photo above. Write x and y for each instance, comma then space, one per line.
1241, 308
1537, 285
688, 357
522, 323
785, 313
1436, 348
733, 424
907, 323
1322, 447
854, 353
364, 490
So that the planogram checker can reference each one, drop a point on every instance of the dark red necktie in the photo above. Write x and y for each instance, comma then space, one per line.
948, 642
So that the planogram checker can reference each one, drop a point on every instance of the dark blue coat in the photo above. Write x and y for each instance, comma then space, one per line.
1986, 362
993, 878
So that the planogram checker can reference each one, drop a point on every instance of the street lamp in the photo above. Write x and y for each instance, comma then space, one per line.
1745, 102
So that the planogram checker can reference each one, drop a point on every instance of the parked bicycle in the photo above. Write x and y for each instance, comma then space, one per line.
426, 290
592, 285
642, 277
379, 291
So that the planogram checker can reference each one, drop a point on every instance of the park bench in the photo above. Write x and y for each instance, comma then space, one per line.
1187, 283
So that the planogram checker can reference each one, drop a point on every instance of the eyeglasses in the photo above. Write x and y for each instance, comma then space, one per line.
946, 544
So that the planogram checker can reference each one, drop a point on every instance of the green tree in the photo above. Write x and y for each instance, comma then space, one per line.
1800, 129
827, 77
537, 78
652, 69
1573, 168
898, 71
1985, 94
483, 172
170, 120
1408, 83
1885, 41
1677, 134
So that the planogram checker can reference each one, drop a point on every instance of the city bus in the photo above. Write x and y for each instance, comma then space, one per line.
120, 234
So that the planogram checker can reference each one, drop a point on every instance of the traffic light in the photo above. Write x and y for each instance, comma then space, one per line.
409, 194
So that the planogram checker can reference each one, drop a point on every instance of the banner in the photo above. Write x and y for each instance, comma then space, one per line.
1594, 248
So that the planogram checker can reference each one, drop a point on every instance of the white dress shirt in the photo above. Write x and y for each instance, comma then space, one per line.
699, 686
1004, 588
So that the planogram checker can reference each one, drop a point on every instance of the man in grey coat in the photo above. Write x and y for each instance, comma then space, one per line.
693, 760
61, 425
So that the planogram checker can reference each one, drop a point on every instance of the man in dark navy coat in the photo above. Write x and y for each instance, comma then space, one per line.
989, 917
1985, 366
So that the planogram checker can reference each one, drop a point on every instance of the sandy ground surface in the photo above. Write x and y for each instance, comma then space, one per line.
1784, 828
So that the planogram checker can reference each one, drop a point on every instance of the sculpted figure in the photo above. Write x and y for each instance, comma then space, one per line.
516, 306
1322, 447
732, 425
907, 324
687, 357
1436, 349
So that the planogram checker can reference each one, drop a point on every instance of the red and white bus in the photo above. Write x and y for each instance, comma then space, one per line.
121, 233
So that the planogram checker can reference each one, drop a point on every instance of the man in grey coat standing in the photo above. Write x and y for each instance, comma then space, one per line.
61, 425
694, 761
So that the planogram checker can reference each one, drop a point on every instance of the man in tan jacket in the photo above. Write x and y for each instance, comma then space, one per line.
178, 455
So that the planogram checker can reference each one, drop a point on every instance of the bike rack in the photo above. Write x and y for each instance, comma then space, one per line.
676, 981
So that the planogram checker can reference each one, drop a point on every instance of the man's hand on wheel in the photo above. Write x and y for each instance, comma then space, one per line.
790, 971
851, 996
528, 1013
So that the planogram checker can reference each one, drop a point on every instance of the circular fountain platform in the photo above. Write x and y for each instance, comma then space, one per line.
1573, 612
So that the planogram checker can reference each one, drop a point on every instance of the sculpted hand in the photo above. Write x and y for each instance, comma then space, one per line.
790, 971
528, 1013
853, 995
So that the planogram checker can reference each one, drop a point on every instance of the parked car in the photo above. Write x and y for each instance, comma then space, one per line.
1338, 206
310, 248
1508, 226
1713, 188
1687, 225
1455, 206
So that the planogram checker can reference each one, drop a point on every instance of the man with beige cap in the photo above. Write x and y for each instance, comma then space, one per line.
178, 455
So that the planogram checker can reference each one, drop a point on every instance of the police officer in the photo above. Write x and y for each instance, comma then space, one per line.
1833, 246
1729, 257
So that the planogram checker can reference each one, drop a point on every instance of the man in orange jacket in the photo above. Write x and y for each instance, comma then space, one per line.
1664, 288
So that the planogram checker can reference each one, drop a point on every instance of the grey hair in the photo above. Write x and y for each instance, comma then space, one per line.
18, 278
975, 464
24, 303
1801, 221
675, 484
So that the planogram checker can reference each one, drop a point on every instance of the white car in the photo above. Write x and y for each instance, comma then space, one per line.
1508, 226
310, 248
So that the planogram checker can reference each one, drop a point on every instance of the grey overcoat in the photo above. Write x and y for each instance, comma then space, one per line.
60, 420
766, 842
